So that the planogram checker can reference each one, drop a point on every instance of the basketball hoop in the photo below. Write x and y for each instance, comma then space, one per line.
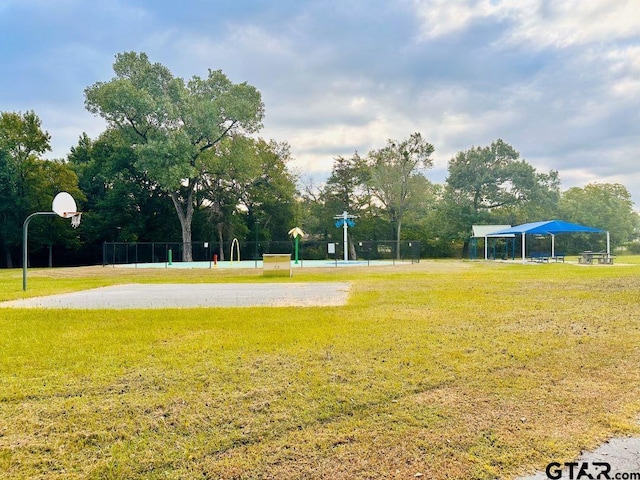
65, 206
75, 219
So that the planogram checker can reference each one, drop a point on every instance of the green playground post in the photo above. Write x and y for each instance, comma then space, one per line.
296, 233
170, 257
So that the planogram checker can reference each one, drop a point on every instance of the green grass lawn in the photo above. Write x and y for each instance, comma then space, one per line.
451, 369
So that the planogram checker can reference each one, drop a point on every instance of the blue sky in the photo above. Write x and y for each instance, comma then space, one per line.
558, 80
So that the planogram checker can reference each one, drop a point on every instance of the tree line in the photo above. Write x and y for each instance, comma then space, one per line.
179, 161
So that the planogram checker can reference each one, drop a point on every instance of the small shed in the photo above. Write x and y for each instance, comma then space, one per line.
485, 232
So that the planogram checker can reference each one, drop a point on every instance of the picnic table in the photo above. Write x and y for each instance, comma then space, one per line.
589, 257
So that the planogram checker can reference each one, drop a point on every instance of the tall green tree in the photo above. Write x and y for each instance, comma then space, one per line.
172, 123
311, 211
602, 205
248, 187
421, 220
395, 173
493, 184
346, 187
53, 177
269, 196
122, 202
347, 190
22, 141
536, 198
486, 177
7, 206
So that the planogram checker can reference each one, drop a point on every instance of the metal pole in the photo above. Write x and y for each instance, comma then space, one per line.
346, 246
255, 247
25, 258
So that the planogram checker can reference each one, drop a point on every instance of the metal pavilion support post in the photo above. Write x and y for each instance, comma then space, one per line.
25, 255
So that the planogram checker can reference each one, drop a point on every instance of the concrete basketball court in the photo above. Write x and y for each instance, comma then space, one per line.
143, 296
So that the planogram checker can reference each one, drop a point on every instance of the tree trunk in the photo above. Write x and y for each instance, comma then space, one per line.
8, 257
186, 242
185, 215
221, 240
398, 238
352, 251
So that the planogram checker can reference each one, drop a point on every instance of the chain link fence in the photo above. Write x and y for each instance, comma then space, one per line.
116, 253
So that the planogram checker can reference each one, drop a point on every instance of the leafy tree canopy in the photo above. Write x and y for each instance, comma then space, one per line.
172, 123
602, 205
392, 176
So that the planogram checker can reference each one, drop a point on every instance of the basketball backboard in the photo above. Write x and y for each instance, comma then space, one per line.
64, 205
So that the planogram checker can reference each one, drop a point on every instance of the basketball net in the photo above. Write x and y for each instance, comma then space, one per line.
75, 219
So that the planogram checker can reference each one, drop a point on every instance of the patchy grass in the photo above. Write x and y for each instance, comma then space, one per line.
451, 369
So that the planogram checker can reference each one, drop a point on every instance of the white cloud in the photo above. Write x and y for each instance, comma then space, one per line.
624, 69
120, 10
444, 17
536, 22
66, 127
559, 80
257, 39
574, 22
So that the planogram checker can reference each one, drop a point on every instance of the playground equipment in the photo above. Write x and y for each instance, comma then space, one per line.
345, 221
237, 244
64, 206
296, 233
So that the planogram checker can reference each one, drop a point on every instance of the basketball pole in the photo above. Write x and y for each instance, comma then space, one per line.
25, 257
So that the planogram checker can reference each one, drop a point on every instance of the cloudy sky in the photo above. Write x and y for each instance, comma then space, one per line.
558, 80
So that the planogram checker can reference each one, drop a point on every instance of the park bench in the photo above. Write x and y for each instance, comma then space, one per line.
539, 257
